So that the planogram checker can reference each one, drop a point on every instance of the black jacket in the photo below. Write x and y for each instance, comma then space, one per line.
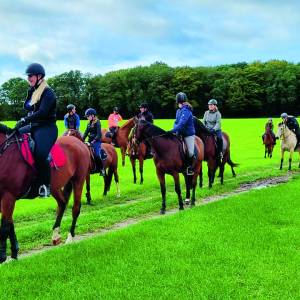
93, 130
44, 111
292, 123
146, 115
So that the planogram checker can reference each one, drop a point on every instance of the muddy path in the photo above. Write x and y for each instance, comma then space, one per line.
245, 187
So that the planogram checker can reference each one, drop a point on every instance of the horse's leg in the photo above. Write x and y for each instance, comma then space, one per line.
188, 189
123, 151
7, 227
88, 189
194, 184
61, 206
201, 178
77, 187
281, 160
222, 167
132, 160
116, 176
141, 163
178, 189
290, 159
162, 182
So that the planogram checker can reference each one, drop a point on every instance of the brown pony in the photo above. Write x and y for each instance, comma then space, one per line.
169, 159
210, 154
110, 166
121, 137
269, 142
16, 177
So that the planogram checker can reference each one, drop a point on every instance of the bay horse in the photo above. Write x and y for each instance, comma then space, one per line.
16, 177
137, 151
288, 143
269, 142
110, 166
210, 153
121, 137
169, 159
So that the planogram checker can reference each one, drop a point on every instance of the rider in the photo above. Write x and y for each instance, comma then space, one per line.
184, 126
212, 121
41, 121
93, 131
71, 119
145, 114
292, 123
269, 126
113, 120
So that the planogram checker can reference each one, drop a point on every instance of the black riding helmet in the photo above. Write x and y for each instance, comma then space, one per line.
144, 105
181, 97
70, 107
35, 69
116, 109
90, 111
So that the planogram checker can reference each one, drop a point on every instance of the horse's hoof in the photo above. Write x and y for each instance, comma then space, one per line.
187, 201
70, 239
2, 259
181, 208
56, 242
162, 211
14, 254
118, 195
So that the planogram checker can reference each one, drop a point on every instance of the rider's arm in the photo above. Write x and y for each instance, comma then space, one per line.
65, 121
77, 125
218, 122
87, 130
182, 121
99, 134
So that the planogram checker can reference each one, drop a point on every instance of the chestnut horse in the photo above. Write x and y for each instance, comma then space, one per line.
16, 177
121, 137
136, 152
269, 142
110, 166
169, 158
210, 154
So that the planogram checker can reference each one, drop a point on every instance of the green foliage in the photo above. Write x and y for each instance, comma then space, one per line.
242, 90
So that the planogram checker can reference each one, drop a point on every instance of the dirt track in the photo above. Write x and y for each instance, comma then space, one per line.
258, 184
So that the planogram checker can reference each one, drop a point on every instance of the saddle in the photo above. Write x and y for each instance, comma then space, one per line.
95, 163
185, 151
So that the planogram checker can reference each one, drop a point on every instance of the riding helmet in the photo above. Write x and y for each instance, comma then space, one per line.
116, 109
144, 105
212, 102
181, 97
35, 69
284, 115
70, 107
90, 111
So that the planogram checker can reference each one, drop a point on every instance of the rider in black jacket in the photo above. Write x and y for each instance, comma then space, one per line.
41, 122
292, 123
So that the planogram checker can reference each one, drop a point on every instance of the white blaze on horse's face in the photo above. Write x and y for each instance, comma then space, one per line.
280, 131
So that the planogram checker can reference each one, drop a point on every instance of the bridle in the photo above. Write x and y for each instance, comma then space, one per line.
8, 141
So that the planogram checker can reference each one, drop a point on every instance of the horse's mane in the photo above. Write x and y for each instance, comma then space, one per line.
128, 122
199, 127
153, 129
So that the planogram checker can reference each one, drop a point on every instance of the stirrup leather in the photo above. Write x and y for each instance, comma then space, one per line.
44, 191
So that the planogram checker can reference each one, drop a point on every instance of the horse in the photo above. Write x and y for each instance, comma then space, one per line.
110, 166
288, 143
137, 151
168, 158
121, 137
210, 153
17, 176
269, 142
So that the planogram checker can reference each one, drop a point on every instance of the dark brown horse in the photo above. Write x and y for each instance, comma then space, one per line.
110, 166
269, 142
121, 137
16, 177
210, 152
169, 159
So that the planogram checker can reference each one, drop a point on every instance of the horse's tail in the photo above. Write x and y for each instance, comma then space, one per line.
109, 178
231, 163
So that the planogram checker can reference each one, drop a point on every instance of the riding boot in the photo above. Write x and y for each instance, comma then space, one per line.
219, 148
191, 165
44, 172
100, 167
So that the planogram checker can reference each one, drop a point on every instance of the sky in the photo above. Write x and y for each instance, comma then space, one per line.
98, 36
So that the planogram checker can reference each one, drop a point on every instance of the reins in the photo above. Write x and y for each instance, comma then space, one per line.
7, 142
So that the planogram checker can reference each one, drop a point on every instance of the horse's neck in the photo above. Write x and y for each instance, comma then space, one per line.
125, 129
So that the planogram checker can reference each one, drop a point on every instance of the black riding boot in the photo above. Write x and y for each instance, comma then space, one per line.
44, 172
219, 148
191, 165
100, 167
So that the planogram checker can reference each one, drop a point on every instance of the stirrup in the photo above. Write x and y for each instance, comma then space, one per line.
44, 191
102, 172
190, 171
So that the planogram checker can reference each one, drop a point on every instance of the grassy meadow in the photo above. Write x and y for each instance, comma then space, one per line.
243, 247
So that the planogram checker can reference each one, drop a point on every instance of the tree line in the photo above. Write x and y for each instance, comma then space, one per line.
242, 90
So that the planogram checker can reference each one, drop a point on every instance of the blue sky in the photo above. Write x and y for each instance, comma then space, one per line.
98, 36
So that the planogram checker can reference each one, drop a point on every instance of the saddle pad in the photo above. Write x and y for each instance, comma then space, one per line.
57, 155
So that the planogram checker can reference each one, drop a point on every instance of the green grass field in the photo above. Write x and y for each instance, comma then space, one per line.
241, 247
